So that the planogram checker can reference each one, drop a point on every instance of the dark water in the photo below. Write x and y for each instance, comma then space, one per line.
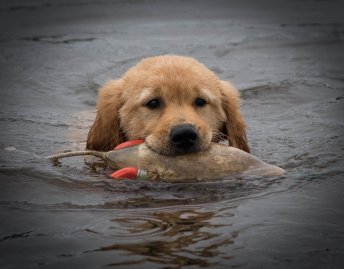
286, 58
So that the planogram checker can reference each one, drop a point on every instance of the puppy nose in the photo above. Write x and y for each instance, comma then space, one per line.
183, 136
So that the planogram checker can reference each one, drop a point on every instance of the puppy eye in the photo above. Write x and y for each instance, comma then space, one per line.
153, 104
200, 102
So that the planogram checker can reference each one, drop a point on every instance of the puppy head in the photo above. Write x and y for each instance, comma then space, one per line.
175, 103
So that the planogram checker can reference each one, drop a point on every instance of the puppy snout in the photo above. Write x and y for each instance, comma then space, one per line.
184, 137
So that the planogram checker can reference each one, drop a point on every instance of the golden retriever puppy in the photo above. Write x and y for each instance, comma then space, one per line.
175, 103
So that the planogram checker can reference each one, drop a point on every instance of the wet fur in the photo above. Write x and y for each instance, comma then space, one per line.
177, 81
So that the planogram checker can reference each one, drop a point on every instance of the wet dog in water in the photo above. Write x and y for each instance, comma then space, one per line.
175, 103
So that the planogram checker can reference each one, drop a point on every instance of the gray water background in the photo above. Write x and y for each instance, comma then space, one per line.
287, 60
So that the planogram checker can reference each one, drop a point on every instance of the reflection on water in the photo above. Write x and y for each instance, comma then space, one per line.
286, 59
178, 237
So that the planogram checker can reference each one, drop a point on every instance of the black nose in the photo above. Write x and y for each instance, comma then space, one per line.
184, 137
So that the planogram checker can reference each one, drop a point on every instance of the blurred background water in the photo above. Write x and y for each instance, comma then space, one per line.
285, 57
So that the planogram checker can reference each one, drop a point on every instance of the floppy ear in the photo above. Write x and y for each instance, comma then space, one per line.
235, 127
105, 133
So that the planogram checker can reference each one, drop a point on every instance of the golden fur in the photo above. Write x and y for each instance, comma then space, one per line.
177, 81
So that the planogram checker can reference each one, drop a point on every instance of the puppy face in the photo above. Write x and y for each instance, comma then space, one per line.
175, 103
175, 110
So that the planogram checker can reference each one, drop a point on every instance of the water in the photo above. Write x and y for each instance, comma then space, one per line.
286, 58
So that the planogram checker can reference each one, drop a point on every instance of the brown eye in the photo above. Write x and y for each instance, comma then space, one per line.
153, 104
200, 102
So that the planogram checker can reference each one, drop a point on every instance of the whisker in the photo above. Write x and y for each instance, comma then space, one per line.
218, 135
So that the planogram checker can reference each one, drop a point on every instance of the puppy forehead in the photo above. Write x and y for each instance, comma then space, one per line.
176, 94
